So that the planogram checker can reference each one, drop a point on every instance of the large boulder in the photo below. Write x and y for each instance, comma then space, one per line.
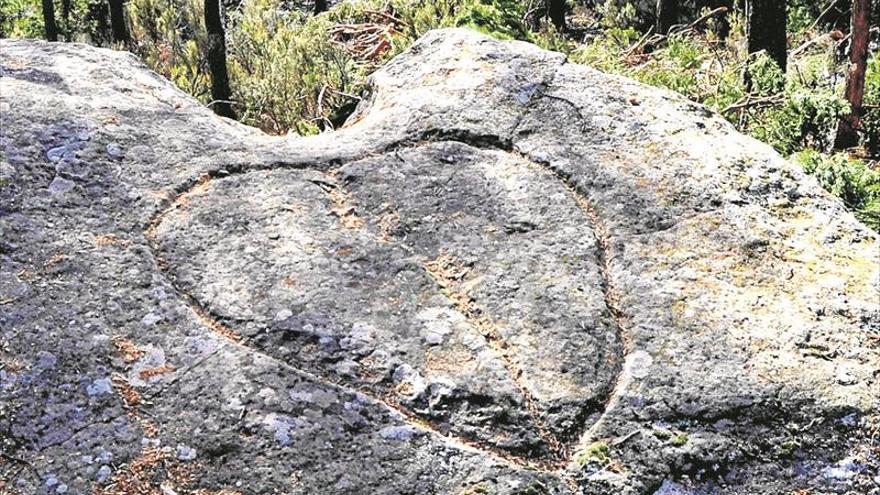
505, 274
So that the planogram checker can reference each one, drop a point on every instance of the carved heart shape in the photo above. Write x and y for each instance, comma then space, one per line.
461, 286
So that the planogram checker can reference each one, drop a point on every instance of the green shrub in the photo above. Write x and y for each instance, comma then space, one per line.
788, 111
607, 52
851, 180
287, 74
21, 19
871, 117
169, 35
24, 19
292, 72
616, 16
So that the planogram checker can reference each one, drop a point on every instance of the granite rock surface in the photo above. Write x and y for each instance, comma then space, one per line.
505, 274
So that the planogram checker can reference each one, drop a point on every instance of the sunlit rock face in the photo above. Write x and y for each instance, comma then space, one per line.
505, 274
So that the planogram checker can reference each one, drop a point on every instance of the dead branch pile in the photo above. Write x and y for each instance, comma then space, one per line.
366, 42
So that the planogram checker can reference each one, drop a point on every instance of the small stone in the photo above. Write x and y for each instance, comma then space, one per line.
433, 338
398, 432
56, 153
185, 452
7, 171
104, 472
641, 363
46, 360
60, 185
114, 151
300, 396
100, 386
150, 319
850, 420
845, 376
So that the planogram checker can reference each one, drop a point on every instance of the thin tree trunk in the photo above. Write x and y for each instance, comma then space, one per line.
847, 135
320, 6
117, 22
667, 15
65, 17
49, 20
767, 29
556, 12
220, 92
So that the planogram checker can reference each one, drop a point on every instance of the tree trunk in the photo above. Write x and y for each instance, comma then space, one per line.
556, 12
220, 92
667, 15
767, 29
65, 18
117, 22
320, 6
723, 21
847, 135
49, 20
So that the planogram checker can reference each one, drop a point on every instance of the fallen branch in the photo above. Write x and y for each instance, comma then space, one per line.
321, 100
347, 95
228, 102
651, 38
822, 15
703, 18
749, 101
833, 35
367, 41
388, 16
639, 43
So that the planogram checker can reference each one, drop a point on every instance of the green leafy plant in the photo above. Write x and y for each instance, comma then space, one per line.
170, 37
849, 179
597, 452
871, 117
20, 19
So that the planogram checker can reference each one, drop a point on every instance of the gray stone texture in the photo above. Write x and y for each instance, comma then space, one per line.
505, 274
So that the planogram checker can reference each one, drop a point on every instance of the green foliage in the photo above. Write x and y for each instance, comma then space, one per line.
21, 19
679, 439
170, 37
851, 180
806, 117
24, 19
286, 72
871, 116
802, 14
597, 452
289, 72
498, 18
788, 111
616, 16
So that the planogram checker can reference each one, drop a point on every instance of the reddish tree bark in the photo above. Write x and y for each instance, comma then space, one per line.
847, 130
